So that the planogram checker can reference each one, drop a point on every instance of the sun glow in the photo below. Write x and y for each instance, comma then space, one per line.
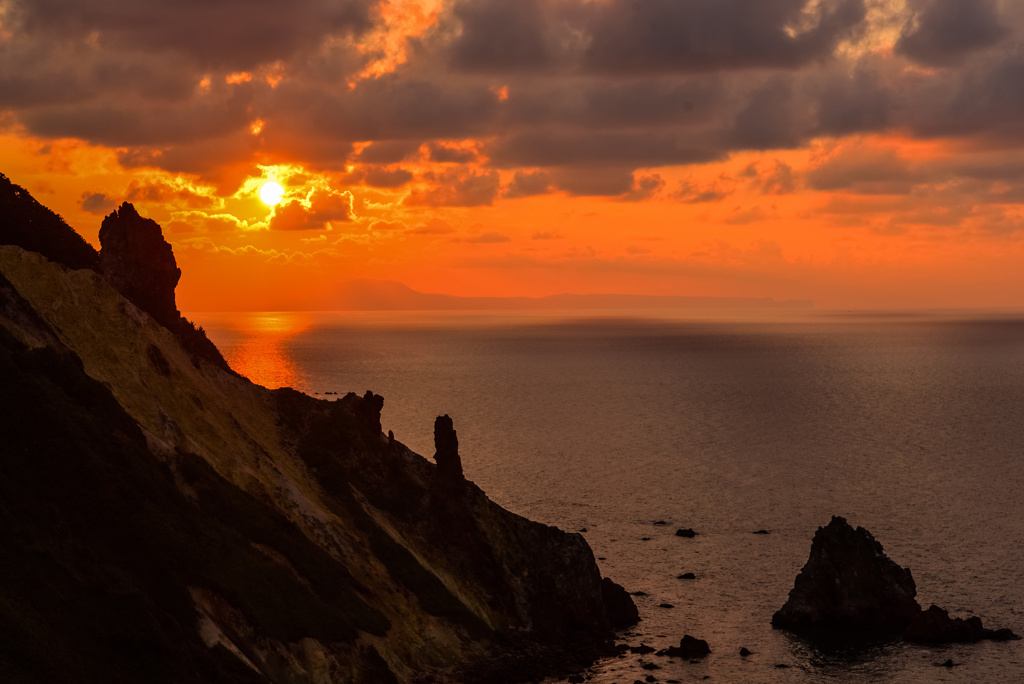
271, 193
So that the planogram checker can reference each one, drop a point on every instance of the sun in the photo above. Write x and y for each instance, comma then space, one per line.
271, 193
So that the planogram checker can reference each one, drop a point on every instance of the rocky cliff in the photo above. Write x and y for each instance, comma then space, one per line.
164, 519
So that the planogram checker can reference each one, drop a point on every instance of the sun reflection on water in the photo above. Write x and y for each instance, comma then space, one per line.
260, 348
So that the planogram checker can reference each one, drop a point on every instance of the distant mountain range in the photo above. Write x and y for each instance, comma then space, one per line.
387, 295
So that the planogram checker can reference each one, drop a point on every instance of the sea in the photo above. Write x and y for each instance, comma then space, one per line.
628, 425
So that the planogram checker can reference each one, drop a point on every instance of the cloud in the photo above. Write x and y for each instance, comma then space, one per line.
325, 208
694, 193
657, 36
379, 176
499, 36
644, 188
944, 31
528, 184
864, 170
456, 187
234, 34
97, 203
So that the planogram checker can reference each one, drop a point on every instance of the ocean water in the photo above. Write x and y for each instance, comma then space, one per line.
911, 426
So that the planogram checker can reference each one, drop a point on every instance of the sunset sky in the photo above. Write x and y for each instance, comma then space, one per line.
858, 153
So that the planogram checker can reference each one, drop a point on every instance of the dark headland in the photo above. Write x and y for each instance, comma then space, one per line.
164, 520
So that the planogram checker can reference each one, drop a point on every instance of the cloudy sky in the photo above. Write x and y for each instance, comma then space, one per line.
859, 153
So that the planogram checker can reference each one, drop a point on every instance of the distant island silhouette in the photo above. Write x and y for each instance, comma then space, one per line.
388, 295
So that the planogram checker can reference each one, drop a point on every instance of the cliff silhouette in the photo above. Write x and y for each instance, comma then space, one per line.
164, 519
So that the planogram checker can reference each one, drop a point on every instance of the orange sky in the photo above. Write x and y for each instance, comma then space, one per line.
856, 153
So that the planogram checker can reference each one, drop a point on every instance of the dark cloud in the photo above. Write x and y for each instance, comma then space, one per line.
388, 151
770, 119
235, 34
657, 36
528, 184
853, 103
594, 181
97, 203
444, 153
379, 177
390, 108
570, 95
456, 187
125, 123
943, 31
163, 192
499, 35
626, 149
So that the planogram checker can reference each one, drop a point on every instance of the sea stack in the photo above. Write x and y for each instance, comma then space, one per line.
849, 587
446, 446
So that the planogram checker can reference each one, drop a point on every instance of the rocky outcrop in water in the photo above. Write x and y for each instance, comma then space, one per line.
689, 647
849, 587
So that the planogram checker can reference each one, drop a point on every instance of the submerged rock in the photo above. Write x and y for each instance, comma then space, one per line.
850, 587
689, 647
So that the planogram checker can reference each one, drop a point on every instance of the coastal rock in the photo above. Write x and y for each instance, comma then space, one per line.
622, 612
850, 587
446, 448
139, 263
168, 520
689, 647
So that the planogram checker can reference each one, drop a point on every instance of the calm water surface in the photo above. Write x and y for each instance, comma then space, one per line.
910, 426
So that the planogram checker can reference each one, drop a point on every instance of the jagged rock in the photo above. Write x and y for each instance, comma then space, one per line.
689, 647
369, 412
139, 263
642, 649
850, 587
446, 446
687, 532
934, 626
622, 611
744, 651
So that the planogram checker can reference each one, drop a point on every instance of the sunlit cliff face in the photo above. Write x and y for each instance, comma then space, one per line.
853, 152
